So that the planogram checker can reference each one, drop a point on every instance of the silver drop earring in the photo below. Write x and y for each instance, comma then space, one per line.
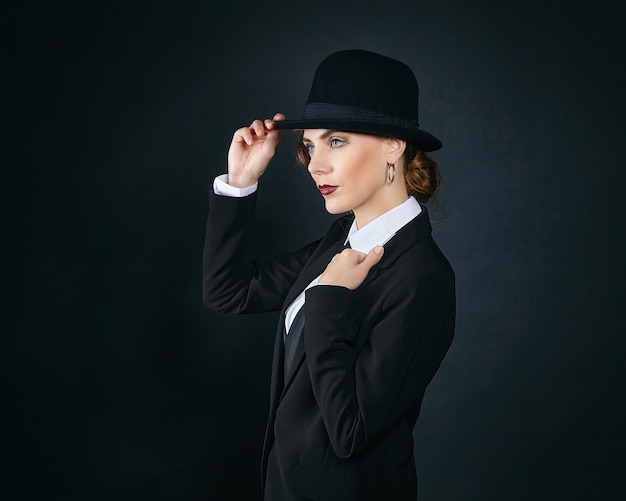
391, 172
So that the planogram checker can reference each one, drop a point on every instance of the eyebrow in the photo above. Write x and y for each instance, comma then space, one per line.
323, 136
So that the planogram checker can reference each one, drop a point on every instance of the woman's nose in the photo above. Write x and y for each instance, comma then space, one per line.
318, 164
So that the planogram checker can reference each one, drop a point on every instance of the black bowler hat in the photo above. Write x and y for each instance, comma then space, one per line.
362, 91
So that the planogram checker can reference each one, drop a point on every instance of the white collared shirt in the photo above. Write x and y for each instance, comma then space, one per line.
384, 227
377, 232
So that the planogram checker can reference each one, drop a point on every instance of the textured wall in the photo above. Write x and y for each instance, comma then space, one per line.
122, 386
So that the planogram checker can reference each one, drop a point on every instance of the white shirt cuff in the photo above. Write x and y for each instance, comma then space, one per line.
221, 187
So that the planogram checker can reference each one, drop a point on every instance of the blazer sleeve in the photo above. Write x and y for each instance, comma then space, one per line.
234, 282
364, 393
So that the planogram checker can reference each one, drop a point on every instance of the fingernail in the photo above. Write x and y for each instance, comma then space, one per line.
378, 249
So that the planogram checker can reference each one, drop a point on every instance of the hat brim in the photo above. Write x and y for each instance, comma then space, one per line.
424, 140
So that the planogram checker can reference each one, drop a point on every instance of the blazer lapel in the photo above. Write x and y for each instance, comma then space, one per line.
408, 236
330, 245
298, 358
313, 269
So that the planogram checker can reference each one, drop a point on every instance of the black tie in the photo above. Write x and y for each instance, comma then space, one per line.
291, 340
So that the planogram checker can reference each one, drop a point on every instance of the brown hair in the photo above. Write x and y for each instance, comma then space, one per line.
421, 173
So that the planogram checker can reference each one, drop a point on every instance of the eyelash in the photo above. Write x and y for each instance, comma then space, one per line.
333, 142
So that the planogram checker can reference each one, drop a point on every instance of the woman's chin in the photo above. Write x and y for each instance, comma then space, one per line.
334, 208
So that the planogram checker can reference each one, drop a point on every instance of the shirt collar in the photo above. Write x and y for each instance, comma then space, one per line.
384, 227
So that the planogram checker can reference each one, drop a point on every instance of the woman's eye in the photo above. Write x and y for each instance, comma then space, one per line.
309, 148
336, 143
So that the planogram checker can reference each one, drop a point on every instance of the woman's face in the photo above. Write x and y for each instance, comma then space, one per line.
350, 170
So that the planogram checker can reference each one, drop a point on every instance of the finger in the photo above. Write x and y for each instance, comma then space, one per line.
273, 136
259, 128
243, 135
271, 140
353, 256
270, 123
271, 128
373, 257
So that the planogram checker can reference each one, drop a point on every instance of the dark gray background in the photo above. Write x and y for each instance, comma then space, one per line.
120, 385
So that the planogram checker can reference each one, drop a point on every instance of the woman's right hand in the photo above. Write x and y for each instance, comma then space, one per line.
251, 150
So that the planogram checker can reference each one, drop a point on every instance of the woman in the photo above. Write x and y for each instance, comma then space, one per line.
363, 329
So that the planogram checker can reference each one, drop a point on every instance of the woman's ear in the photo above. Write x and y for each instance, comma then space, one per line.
395, 149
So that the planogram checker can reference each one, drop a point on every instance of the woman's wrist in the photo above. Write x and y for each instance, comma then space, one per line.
241, 181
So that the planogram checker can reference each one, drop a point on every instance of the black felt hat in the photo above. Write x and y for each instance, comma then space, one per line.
362, 91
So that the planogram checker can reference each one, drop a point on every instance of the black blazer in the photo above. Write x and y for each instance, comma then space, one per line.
340, 427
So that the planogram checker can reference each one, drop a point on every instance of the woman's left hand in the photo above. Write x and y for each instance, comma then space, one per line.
350, 267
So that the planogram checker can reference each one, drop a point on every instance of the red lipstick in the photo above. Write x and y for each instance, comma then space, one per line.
327, 190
